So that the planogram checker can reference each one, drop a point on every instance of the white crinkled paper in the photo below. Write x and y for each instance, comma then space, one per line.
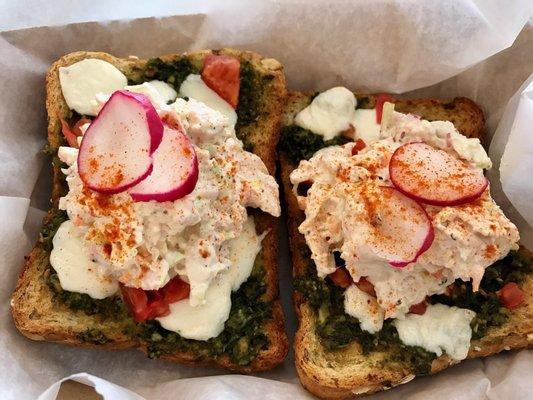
512, 149
383, 45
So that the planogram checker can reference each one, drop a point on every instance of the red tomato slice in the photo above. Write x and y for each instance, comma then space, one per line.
380, 100
341, 278
76, 129
419, 308
149, 304
69, 135
175, 290
511, 295
157, 306
359, 145
366, 287
222, 74
137, 302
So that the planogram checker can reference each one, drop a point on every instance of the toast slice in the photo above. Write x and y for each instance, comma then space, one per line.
348, 372
42, 311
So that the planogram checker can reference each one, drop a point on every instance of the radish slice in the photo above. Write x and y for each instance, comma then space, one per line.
432, 176
401, 228
115, 153
175, 170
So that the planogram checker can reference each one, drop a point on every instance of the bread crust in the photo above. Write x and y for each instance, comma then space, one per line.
36, 315
347, 373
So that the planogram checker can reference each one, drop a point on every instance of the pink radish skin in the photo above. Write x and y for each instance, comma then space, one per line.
115, 153
401, 228
432, 176
155, 125
175, 169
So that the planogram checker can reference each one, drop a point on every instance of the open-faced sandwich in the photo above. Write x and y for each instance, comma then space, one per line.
403, 263
162, 233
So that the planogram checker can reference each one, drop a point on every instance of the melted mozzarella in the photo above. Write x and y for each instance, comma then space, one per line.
81, 81
330, 113
194, 87
158, 92
366, 127
206, 320
440, 328
166, 91
74, 267
243, 250
365, 308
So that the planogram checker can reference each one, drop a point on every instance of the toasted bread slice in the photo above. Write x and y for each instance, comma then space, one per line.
346, 373
36, 310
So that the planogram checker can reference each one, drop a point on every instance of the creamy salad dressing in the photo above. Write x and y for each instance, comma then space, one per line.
468, 237
205, 237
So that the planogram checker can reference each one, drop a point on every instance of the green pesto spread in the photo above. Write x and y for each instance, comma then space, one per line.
252, 86
251, 103
336, 329
300, 144
173, 72
50, 227
93, 335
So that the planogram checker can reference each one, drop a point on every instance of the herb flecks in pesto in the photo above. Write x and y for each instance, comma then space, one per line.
512, 268
300, 144
93, 335
251, 103
365, 102
252, 86
173, 72
50, 228
243, 335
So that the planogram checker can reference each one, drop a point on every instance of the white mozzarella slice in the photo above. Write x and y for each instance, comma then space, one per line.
81, 81
194, 87
74, 267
